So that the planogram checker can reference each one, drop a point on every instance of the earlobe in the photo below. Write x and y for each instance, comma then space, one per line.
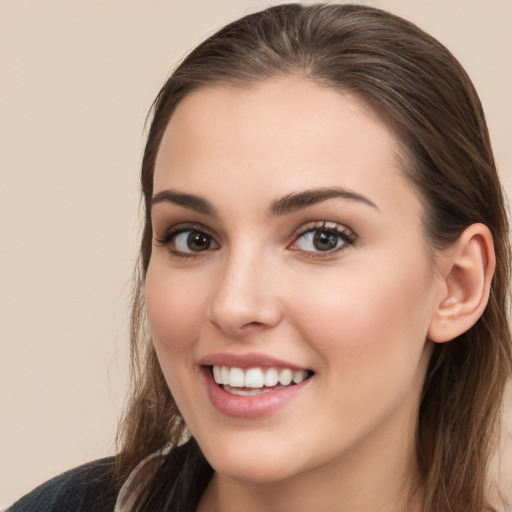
467, 271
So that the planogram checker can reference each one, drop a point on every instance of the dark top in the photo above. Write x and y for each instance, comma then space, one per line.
82, 489
178, 485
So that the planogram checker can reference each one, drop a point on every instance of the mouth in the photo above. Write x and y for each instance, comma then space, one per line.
256, 380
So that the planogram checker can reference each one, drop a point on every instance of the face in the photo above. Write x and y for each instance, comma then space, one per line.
289, 291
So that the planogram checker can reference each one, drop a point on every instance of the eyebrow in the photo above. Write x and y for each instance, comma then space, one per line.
190, 201
282, 206
299, 200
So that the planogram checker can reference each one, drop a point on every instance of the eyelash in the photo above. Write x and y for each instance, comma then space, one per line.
170, 236
346, 236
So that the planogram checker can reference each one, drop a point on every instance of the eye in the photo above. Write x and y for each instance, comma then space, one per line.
192, 241
187, 241
323, 239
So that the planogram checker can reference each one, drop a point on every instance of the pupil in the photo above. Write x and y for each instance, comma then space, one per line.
198, 242
325, 241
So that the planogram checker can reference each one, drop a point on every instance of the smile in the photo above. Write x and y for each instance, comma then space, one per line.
253, 385
254, 381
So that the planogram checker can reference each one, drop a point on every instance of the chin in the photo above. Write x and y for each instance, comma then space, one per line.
251, 465
259, 474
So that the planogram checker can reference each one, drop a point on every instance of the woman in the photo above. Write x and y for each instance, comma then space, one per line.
324, 269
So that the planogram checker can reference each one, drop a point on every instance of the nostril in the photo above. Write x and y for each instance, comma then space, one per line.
251, 324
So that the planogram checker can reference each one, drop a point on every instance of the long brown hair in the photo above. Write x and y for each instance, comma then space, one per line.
423, 93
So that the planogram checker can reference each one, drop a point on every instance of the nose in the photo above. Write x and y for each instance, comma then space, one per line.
246, 298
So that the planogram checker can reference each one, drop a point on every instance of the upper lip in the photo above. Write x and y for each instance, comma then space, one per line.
248, 360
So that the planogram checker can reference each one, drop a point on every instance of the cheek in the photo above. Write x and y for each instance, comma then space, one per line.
174, 307
367, 322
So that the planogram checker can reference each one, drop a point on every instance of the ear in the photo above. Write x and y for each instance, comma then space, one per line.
466, 268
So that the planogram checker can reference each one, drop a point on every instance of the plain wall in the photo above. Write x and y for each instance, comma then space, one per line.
76, 81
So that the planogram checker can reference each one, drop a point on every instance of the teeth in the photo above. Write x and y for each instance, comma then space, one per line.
217, 374
246, 391
285, 377
256, 378
224, 372
299, 376
271, 377
236, 378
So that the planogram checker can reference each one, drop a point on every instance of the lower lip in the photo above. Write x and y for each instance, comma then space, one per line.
248, 407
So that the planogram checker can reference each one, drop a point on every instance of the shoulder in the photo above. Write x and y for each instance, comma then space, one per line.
173, 478
86, 488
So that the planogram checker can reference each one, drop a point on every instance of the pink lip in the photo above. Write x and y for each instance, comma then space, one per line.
249, 360
249, 407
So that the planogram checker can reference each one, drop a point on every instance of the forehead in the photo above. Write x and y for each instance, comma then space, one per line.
283, 134
288, 111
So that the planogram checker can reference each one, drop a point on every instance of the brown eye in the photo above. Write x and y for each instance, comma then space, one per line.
192, 241
323, 239
198, 242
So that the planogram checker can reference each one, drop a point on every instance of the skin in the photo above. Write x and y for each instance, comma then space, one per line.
357, 316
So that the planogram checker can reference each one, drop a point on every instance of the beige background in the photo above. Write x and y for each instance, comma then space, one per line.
76, 81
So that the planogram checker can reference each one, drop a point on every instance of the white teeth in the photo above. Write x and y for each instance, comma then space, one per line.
224, 372
299, 376
285, 376
246, 391
271, 377
256, 378
236, 378
217, 374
